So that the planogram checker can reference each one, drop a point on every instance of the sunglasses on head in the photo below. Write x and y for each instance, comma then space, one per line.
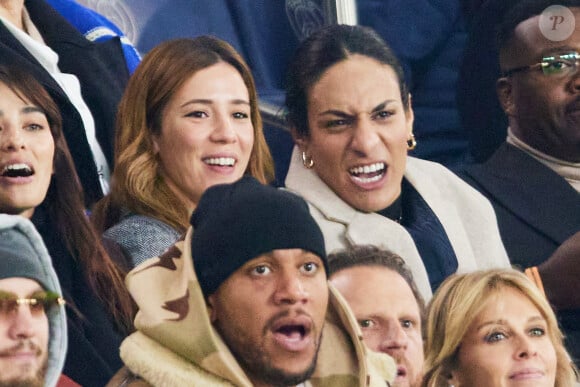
38, 302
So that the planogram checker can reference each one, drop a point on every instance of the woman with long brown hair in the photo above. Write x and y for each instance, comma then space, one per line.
38, 181
188, 120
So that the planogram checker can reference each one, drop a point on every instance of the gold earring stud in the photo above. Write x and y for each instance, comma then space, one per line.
411, 142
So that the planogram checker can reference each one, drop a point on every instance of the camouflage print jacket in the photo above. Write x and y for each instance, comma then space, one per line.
176, 344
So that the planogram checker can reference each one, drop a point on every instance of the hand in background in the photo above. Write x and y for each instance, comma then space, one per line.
561, 275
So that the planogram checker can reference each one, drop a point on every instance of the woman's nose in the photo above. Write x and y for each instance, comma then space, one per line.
11, 138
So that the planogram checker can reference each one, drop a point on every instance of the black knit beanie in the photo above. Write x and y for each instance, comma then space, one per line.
234, 223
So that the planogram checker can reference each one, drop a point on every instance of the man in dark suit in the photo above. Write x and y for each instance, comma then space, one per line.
533, 179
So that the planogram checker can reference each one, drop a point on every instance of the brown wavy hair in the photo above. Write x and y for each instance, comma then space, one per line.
64, 203
137, 184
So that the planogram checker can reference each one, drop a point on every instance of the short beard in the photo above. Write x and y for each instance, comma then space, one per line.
263, 371
34, 381
257, 366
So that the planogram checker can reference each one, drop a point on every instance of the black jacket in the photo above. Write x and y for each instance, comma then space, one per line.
537, 210
93, 343
103, 75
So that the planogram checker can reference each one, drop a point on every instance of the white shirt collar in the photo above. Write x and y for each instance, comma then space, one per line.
34, 43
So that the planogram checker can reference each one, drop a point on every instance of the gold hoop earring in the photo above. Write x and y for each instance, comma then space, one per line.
411, 142
307, 161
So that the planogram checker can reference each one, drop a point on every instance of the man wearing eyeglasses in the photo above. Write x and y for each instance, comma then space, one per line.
533, 179
32, 318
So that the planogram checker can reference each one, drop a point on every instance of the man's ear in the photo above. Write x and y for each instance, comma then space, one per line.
504, 89
210, 301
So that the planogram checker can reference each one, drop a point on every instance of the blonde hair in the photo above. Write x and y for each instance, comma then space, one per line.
459, 301
137, 184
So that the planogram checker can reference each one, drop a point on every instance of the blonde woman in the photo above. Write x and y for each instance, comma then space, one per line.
493, 328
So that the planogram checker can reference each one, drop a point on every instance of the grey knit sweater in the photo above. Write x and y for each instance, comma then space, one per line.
142, 237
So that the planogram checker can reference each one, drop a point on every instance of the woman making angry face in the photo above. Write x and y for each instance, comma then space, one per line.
491, 329
189, 119
352, 120
359, 128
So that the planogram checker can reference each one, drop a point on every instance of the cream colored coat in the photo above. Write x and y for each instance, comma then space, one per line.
466, 216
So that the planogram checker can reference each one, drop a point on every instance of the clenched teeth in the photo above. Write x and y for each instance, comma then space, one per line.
367, 180
221, 161
376, 167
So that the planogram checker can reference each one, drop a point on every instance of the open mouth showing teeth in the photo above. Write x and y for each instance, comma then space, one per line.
368, 173
220, 161
17, 170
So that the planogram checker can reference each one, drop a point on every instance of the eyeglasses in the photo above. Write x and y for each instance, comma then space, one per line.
39, 302
560, 65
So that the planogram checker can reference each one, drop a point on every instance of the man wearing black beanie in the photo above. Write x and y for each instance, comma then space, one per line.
234, 223
261, 263
244, 300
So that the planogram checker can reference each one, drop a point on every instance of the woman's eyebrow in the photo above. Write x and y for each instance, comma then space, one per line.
382, 105
334, 113
203, 101
492, 322
31, 109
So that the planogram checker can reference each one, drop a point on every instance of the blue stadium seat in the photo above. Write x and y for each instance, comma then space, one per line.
149, 22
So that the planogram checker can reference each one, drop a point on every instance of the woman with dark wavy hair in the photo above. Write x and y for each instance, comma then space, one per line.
38, 181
